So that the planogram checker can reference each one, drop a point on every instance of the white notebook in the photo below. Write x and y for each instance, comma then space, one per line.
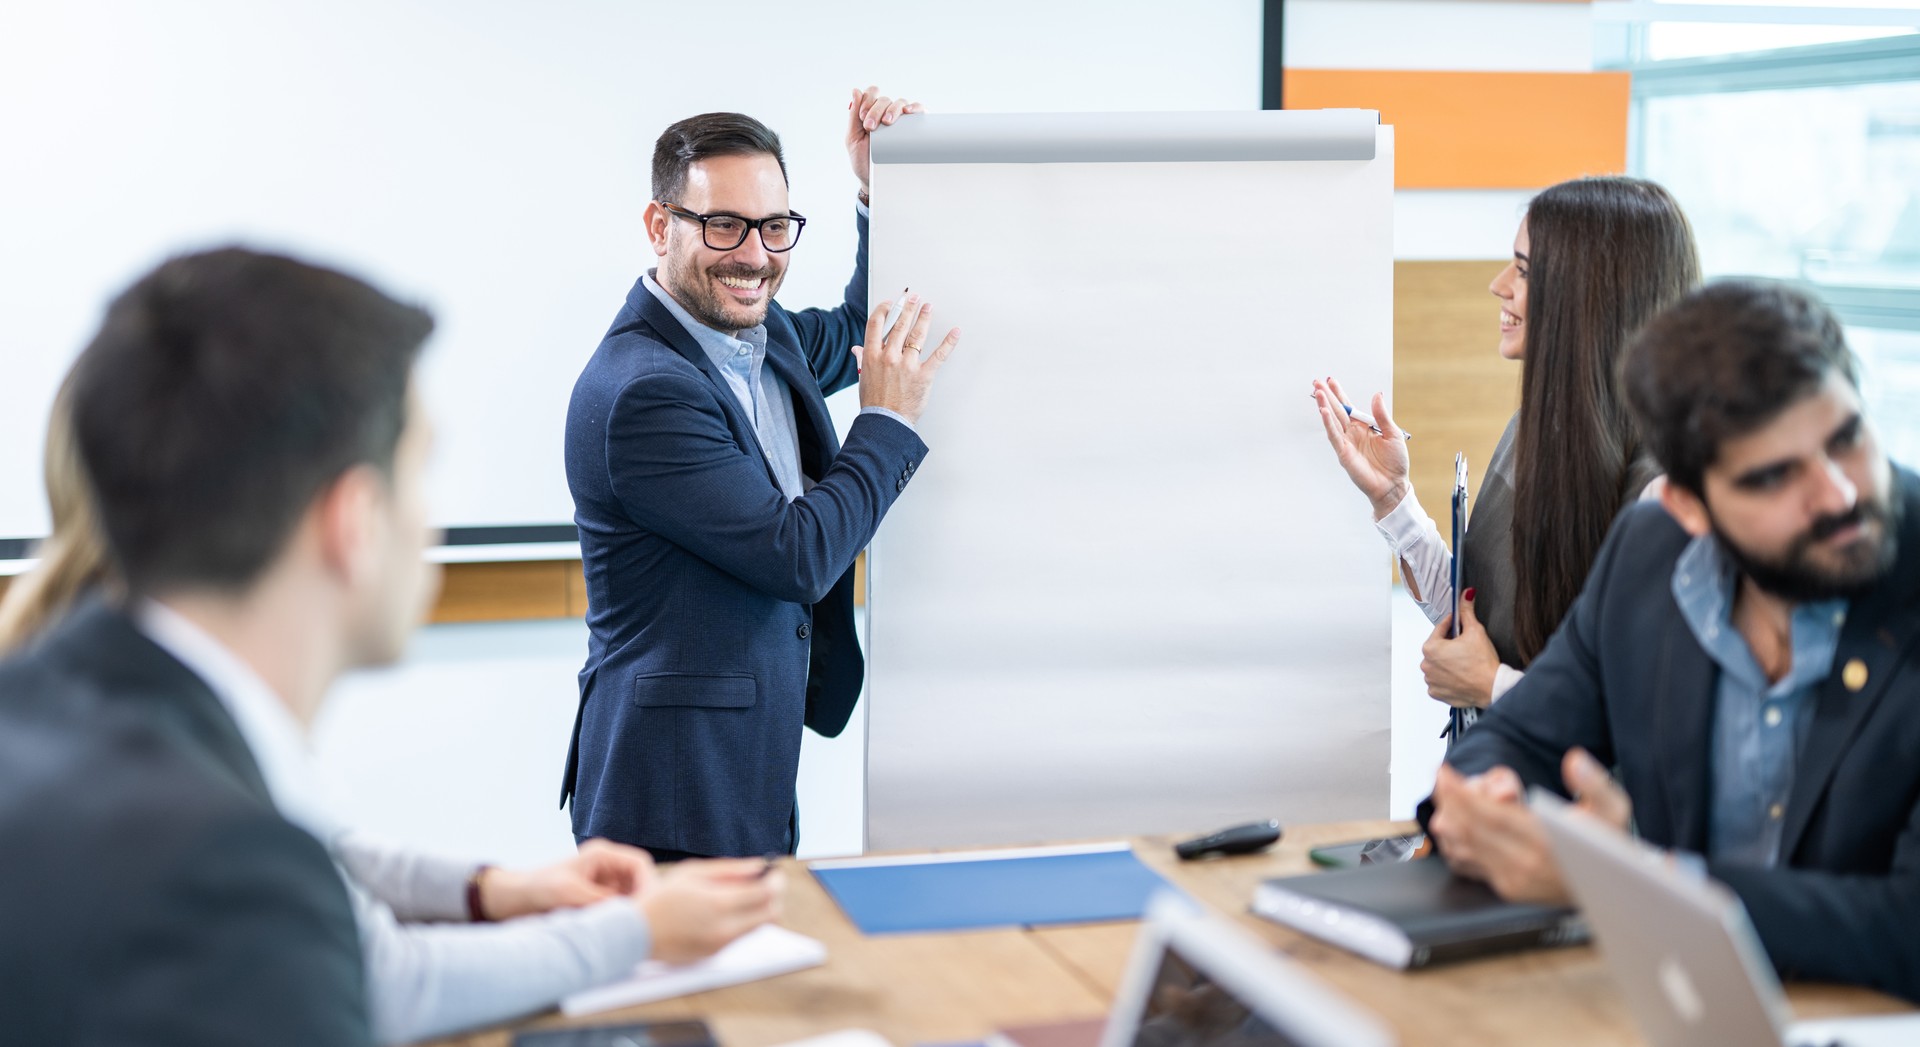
762, 953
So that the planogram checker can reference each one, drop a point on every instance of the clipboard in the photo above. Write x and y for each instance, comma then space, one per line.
1458, 720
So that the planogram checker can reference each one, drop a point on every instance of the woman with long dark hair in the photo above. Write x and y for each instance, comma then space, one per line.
1595, 258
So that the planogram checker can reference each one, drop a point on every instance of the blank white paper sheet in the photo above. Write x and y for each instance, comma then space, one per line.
1130, 591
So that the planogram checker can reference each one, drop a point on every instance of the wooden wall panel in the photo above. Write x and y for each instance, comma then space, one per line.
1482, 130
576, 590
1451, 389
493, 592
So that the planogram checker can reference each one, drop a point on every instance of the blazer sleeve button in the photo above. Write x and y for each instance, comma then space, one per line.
804, 631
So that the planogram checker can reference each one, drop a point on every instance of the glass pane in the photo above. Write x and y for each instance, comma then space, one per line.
1816, 183
1699, 39
1890, 383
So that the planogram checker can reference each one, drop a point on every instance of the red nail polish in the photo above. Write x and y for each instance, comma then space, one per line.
1468, 595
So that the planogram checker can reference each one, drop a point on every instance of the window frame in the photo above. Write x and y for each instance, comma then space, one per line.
1884, 60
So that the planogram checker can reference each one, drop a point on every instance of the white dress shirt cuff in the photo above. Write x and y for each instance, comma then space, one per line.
1406, 525
1427, 564
1504, 678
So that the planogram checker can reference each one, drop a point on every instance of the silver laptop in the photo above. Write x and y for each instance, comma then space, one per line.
1196, 980
1680, 946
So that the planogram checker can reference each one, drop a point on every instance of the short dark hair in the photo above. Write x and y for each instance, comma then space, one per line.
1723, 362
709, 134
222, 394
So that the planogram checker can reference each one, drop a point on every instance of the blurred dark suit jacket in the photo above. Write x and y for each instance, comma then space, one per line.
149, 891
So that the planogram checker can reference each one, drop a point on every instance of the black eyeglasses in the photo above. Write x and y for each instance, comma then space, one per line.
724, 232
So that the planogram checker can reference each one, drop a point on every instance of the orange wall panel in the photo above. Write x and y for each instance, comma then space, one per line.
1482, 130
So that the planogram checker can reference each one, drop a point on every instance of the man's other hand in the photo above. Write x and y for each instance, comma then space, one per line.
868, 112
895, 373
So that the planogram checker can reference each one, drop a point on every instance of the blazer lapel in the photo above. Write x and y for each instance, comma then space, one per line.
1688, 684
1880, 628
666, 328
1837, 718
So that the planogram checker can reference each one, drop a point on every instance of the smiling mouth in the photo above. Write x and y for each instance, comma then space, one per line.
1508, 321
745, 287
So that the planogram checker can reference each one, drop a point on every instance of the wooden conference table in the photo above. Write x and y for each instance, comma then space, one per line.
943, 988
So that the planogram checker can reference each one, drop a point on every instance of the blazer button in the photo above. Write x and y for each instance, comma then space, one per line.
804, 631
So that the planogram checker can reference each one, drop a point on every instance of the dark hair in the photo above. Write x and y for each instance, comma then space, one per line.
223, 392
1722, 363
699, 137
1606, 254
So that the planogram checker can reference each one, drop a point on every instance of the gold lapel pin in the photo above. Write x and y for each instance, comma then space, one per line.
1854, 675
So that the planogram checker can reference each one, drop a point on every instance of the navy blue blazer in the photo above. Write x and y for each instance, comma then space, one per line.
720, 615
1625, 678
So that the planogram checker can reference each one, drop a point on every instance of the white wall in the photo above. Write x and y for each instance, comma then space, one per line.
490, 159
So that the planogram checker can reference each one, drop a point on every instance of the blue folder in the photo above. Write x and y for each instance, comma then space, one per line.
1024, 889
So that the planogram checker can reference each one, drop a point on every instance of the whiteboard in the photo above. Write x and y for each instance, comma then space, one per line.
1129, 590
488, 159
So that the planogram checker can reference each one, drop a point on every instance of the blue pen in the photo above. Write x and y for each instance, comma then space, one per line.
1367, 421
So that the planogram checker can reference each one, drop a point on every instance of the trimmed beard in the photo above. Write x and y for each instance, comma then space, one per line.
1791, 576
690, 287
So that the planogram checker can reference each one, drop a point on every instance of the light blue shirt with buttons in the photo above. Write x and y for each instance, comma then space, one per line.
1759, 726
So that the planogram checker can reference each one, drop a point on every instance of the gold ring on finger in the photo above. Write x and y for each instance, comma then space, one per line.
913, 347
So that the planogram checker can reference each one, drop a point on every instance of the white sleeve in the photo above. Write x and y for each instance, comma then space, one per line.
1412, 536
1503, 680
416, 885
429, 980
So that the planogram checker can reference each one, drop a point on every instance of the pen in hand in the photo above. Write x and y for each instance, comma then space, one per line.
893, 314
1367, 420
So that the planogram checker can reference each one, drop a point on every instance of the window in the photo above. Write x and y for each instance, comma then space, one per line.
1814, 183
1790, 132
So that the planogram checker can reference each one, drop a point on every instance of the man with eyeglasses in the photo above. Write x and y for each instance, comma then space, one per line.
719, 517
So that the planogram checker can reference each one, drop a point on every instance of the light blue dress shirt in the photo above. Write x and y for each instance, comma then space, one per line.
1758, 727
